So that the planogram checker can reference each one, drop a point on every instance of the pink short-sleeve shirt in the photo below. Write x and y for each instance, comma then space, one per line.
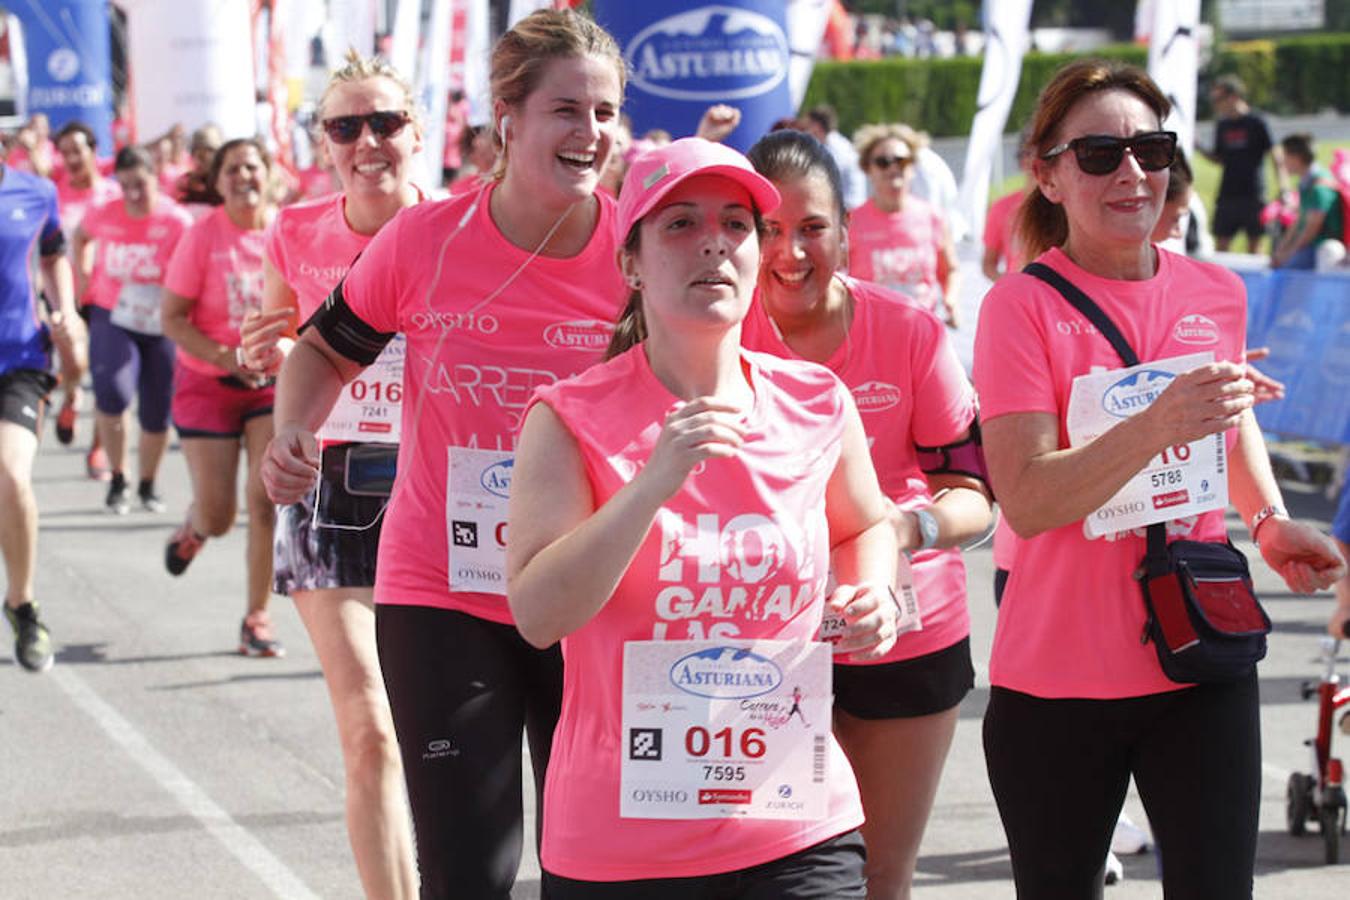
131, 250
898, 250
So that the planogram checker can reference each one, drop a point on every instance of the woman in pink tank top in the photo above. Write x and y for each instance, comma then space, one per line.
918, 411
324, 557
675, 513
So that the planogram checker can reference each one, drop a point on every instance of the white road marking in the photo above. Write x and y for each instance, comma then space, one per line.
242, 845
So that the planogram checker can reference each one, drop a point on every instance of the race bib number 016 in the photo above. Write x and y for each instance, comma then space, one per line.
1184, 480
478, 486
369, 408
725, 729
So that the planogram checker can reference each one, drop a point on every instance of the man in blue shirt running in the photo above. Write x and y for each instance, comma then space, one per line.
29, 227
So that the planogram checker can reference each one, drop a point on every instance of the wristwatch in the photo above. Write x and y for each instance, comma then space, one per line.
928, 528
1262, 514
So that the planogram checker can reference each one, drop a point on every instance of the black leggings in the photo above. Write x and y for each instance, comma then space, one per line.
1060, 768
460, 689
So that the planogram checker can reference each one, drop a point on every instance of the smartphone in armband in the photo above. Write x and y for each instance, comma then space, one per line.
370, 470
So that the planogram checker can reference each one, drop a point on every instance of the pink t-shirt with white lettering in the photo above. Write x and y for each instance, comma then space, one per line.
468, 386
130, 250
311, 246
910, 389
752, 525
75, 203
1072, 613
219, 265
898, 250
998, 231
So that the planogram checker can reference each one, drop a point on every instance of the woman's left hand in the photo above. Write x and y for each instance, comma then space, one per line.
871, 615
1304, 557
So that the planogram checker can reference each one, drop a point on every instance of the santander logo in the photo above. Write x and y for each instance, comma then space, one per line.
1196, 329
875, 396
582, 334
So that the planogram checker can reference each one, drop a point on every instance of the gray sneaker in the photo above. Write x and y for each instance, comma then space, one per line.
32, 641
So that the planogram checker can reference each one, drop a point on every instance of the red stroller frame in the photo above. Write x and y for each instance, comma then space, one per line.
1322, 796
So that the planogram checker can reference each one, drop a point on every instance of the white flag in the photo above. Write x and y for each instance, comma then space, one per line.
806, 21
1006, 41
1174, 63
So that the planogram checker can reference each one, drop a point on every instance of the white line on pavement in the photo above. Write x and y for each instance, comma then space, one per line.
242, 845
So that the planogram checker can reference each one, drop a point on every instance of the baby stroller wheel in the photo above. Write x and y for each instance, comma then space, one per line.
1298, 803
1332, 819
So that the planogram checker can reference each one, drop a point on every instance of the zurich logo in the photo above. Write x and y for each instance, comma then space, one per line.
1134, 392
63, 64
711, 53
725, 673
496, 478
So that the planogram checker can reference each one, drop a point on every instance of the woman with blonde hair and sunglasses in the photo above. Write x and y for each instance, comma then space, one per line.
497, 291
1078, 699
896, 239
326, 542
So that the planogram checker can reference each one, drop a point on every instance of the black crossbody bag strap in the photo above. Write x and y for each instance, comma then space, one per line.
1155, 561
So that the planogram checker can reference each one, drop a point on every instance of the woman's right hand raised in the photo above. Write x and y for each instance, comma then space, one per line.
1208, 399
290, 467
703, 428
260, 334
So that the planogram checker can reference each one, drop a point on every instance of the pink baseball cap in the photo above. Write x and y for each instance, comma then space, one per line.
661, 169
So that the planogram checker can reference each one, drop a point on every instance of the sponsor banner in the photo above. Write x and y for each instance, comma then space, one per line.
1174, 63
69, 59
1304, 318
683, 58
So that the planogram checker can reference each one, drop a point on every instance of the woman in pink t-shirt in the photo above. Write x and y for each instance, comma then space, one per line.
122, 249
895, 239
495, 292
913, 397
1079, 703
325, 559
675, 495
214, 279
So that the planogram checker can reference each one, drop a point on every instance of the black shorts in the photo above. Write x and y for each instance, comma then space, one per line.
1234, 214
830, 869
338, 547
907, 688
23, 396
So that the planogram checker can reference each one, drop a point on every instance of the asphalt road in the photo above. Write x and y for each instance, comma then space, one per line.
154, 762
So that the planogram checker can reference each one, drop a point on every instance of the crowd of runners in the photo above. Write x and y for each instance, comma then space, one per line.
712, 399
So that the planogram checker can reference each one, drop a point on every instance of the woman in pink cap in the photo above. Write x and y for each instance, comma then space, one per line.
675, 515
496, 291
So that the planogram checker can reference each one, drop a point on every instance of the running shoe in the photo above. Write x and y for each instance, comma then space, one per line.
32, 641
182, 547
117, 502
65, 423
96, 464
151, 501
255, 636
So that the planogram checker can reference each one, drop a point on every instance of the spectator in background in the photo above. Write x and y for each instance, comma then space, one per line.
934, 182
193, 186
822, 123
456, 122
1241, 142
82, 184
33, 150
1001, 253
1315, 239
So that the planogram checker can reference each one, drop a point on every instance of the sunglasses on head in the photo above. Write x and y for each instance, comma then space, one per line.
885, 162
383, 124
1100, 154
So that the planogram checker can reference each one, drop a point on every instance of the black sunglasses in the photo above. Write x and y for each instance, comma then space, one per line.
383, 124
885, 162
1100, 154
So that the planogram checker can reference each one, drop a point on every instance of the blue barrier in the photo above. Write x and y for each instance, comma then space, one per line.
1304, 318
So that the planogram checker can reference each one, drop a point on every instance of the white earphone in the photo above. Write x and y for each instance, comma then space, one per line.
505, 120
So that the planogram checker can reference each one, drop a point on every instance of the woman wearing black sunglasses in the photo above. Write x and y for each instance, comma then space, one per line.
1079, 703
325, 559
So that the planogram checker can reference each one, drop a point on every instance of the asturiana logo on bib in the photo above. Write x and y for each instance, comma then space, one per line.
496, 478
1135, 392
725, 673
875, 396
583, 334
1196, 329
711, 53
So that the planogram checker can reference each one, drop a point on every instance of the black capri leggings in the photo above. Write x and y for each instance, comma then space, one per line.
461, 689
1060, 768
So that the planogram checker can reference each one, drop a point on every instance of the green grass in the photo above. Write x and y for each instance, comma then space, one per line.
1206, 176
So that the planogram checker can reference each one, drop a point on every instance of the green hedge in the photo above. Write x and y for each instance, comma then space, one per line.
1288, 76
